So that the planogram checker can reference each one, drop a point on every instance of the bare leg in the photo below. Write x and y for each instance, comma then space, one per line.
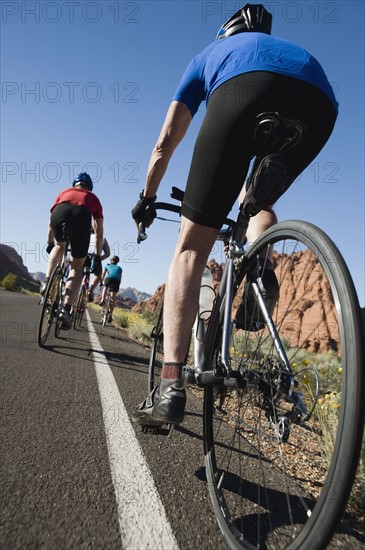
96, 281
55, 258
103, 294
183, 286
112, 301
259, 223
74, 280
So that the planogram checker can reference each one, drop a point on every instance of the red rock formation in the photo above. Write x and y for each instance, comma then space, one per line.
306, 311
152, 303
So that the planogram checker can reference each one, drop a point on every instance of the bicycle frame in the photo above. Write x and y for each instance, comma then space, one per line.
236, 253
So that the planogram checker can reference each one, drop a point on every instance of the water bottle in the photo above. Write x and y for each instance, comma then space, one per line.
207, 295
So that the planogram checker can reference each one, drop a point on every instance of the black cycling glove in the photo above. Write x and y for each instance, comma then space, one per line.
50, 247
143, 212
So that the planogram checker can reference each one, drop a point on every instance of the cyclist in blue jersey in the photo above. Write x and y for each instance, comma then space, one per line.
243, 73
112, 276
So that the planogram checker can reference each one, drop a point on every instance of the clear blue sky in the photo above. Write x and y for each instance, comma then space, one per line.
86, 85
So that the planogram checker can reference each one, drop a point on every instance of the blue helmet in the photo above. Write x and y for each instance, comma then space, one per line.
84, 177
250, 18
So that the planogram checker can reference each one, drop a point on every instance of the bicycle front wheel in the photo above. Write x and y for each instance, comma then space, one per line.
282, 446
49, 307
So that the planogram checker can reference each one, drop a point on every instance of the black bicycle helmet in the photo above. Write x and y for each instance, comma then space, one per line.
84, 177
114, 259
250, 18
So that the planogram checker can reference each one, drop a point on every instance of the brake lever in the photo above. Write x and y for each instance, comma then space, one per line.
142, 235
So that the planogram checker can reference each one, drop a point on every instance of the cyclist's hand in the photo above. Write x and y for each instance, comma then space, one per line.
50, 247
144, 211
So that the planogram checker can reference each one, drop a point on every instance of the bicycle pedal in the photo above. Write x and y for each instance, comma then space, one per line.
163, 429
149, 429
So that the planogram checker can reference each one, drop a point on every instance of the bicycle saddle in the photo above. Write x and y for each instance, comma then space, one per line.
274, 133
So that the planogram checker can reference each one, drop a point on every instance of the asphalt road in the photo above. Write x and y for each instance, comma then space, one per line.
66, 446
74, 472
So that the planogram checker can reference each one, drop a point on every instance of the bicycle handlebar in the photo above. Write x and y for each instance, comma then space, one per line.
175, 194
142, 235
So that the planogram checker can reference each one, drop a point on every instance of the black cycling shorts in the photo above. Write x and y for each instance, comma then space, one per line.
97, 266
78, 221
112, 283
223, 148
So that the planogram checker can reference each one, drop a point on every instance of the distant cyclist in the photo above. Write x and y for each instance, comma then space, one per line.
112, 277
94, 262
243, 73
77, 207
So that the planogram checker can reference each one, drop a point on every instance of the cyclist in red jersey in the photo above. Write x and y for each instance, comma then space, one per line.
77, 208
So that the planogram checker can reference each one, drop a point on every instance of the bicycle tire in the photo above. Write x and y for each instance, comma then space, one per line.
155, 365
104, 317
81, 304
49, 307
263, 495
105, 311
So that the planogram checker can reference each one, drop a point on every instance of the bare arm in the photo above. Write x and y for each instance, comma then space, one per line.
106, 249
50, 236
99, 234
174, 128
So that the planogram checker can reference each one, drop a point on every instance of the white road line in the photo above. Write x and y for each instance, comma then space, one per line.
142, 518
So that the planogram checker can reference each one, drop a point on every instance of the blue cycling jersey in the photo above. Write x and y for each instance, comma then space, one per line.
244, 53
114, 271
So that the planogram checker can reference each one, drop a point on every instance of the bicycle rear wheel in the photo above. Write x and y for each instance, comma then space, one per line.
155, 364
61, 292
80, 306
49, 307
281, 452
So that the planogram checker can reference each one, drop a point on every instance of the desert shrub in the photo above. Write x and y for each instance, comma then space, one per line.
136, 325
9, 282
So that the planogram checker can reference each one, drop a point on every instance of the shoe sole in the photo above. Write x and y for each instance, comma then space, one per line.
149, 422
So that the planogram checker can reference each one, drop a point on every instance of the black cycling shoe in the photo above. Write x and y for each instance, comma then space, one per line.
248, 315
65, 318
161, 408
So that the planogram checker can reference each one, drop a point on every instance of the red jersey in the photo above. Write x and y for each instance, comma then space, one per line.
81, 197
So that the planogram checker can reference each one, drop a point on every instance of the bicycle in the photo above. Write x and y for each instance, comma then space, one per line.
53, 297
106, 313
81, 301
282, 408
